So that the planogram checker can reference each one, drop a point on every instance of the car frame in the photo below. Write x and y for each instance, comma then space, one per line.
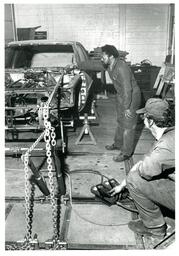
76, 89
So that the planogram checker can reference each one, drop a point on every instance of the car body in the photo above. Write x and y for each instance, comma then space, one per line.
33, 68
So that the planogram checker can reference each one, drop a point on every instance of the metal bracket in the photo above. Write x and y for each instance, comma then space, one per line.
62, 245
58, 246
33, 243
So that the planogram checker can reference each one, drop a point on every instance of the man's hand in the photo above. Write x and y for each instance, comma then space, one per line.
118, 188
115, 190
128, 113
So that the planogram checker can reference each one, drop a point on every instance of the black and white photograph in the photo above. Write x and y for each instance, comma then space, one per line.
88, 120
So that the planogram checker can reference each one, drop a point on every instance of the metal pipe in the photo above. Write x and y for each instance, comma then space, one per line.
54, 91
14, 23
37, 179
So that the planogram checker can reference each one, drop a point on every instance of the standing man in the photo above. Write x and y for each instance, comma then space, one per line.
128, 100
151, 181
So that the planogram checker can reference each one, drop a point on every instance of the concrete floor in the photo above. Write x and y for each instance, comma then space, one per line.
106, 227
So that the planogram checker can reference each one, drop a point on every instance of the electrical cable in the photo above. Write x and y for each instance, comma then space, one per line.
77, 213
163, 240
127, 208
98, 173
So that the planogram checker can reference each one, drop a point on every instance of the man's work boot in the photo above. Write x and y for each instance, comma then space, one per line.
112, 147
138, 227
120, 158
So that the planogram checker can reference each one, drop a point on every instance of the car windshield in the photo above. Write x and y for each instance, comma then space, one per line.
40, 56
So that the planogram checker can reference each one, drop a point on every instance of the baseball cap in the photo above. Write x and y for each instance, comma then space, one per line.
154, 107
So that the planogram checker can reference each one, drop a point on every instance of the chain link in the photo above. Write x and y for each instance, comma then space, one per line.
49, 138
53, 136
31, 206
35, 143
29, 203
29, 192
27, 196
25, 159
25, 246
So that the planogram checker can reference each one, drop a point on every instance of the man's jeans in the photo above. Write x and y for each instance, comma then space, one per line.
125, 130
148, 195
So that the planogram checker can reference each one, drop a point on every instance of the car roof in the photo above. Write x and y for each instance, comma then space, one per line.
41, 42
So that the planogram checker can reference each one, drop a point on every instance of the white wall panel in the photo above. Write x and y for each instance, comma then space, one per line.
147, 32
140, 29
92, 25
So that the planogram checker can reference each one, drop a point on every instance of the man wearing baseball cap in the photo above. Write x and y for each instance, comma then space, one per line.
151, 181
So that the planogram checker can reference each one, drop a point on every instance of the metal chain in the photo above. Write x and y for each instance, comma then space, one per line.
35, 143
31, 206
27, 245
13, 247
53, 137
28, 190
27, 197
49, 138
28, 208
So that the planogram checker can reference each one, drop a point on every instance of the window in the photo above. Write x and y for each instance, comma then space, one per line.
51, 59
41, 56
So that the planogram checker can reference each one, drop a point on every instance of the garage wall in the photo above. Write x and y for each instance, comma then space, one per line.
142, 30
147, 32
